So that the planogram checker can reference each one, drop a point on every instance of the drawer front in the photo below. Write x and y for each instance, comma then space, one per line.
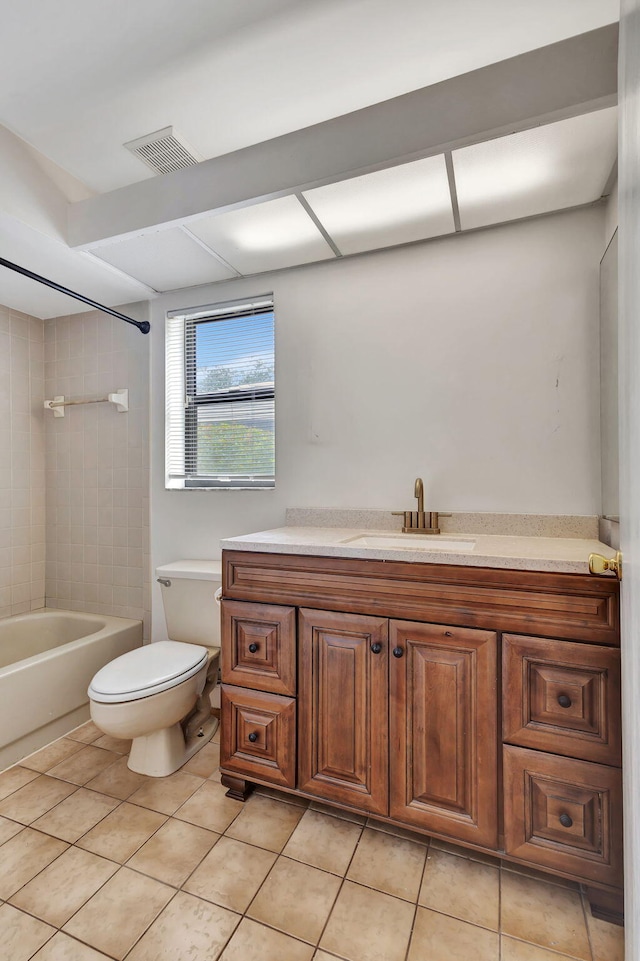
562, 697
258, 735
563, 814
259, 646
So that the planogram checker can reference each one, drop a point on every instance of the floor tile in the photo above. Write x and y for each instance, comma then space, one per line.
14, 778
607, 940
166, 794
266, 823
33, 800
205, 762
254, 942
76, 815
107, 923
188, 928
467, 890
61, 889
324, 842
51, 755
21, 935
24, 856
63, 948
440, 938
390, 864
540, 875
121, 833
209, 808
85, 765
172, 853
461, 852
117, 780
115, 744
337, 812
231, 874
544, 914
367, 925
86, 733
296, 899
9, 829
513, 950
398, 832
272, 792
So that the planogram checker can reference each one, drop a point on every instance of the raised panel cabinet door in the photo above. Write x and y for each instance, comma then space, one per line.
443, 727
258, 735
343, 708
562, 698
259, 646
563, 814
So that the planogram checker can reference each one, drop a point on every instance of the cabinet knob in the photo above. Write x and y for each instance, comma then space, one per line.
398, 652
564, 700
566, 821
253, 737
253, 648
376, 648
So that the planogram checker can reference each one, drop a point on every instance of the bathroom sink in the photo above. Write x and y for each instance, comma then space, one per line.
410, 542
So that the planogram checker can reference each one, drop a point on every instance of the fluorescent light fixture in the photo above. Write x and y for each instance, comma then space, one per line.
547, 168
388, 207
268, 236
165, 260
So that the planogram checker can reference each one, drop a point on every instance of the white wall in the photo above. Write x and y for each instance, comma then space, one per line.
471, 361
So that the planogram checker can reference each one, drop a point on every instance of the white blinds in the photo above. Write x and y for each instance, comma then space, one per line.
220, 396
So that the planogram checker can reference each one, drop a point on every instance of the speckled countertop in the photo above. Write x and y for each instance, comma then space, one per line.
561, 554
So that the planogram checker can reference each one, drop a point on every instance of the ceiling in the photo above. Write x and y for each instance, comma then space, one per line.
82, 78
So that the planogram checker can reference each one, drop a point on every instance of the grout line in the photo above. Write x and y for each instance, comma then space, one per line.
583, 901
417, 903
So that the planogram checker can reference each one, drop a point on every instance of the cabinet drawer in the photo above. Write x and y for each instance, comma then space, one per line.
258, 735
562, 697
259, 646
563, 814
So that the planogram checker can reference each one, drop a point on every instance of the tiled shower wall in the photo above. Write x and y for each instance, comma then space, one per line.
97, 467
22, 462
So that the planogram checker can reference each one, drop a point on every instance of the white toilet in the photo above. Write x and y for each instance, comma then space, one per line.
158, 695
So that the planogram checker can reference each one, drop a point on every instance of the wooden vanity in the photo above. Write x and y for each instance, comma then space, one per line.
469, 703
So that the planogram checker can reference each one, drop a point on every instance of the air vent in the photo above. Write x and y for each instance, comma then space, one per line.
164, 151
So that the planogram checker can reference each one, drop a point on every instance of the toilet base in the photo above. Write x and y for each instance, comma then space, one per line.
163, 752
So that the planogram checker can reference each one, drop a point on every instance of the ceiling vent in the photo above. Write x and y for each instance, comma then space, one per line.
164, 151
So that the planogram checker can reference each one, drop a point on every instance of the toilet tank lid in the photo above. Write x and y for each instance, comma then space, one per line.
196, 570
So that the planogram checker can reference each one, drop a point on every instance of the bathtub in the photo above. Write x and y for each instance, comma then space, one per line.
47, 659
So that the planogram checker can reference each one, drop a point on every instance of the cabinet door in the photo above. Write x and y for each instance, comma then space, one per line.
259, 646
343, 708
563, 814
258, 735
562, 698
443, 723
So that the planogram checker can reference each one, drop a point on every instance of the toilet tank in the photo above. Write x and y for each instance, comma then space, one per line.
190, 606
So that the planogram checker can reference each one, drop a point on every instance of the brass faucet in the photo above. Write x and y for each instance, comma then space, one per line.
419, 522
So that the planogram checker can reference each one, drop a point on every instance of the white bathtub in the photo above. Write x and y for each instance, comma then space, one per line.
47, 659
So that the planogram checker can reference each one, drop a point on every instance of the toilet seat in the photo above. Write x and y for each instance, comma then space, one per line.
147, 670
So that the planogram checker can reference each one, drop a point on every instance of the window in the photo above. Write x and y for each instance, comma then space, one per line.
221, 397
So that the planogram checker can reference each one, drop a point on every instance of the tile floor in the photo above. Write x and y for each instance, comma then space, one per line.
99, 863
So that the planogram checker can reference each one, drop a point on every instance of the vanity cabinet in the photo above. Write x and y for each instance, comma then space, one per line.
473, 704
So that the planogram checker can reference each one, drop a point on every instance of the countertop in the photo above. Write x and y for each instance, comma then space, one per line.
569, 555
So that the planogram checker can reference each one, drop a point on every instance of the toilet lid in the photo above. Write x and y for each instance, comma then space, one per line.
147, 670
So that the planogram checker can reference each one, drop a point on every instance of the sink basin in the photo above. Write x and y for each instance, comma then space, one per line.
410, 542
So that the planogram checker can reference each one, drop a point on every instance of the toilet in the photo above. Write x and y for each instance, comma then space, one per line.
158, 695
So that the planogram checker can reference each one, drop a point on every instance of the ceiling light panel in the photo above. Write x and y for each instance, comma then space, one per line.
388, 207
165, 260
548, 168
269, 236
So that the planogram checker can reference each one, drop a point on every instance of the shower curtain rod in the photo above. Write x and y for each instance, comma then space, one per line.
143, 325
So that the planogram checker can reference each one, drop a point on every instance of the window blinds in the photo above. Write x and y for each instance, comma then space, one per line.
220, 396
